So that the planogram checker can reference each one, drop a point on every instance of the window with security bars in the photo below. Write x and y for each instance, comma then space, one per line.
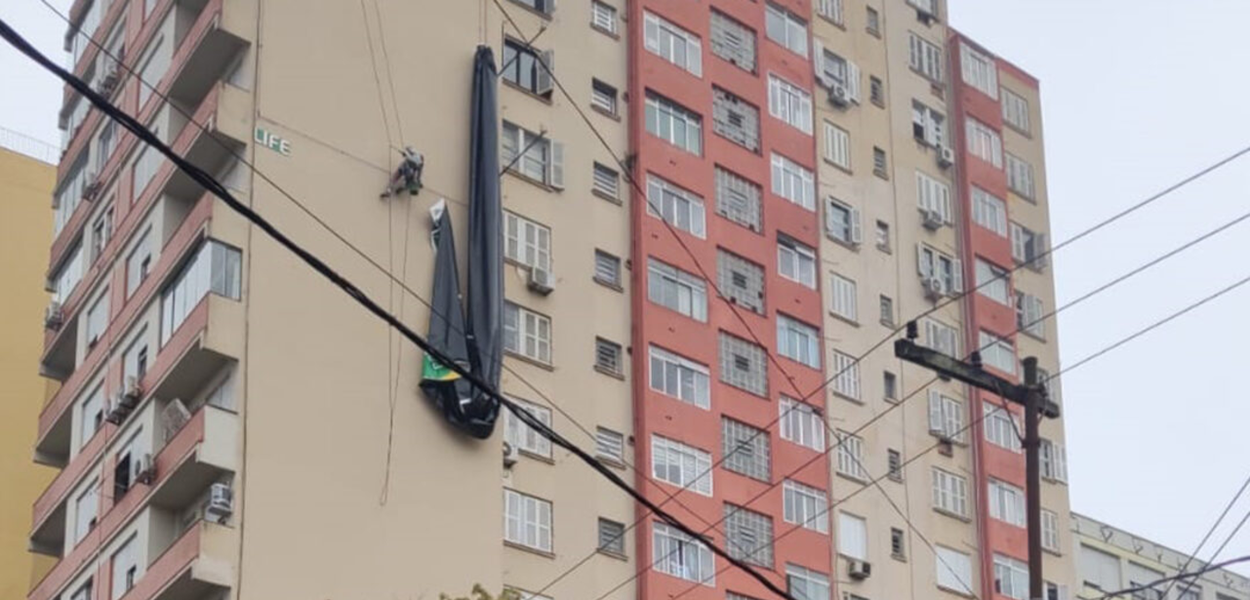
741, 280
743, 365
801, 424
522, 436
608, 357
735, 119
607, 269
749, 536
894, 464
732, 41
738, 199
676, 290
607, 182
851, 456
681, 465
611, 537
677, 554
805, 506
610, 445
746, 449
1020, 177
946, 416
950, 493
844, 370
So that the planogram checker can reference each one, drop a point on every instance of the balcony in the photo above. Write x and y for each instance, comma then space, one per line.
205, 449
196, 563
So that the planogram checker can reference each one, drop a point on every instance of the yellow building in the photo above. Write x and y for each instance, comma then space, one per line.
25, 227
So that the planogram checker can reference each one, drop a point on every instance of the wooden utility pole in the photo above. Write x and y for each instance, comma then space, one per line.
1036, 404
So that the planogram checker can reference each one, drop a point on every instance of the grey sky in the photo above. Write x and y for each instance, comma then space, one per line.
1137, 94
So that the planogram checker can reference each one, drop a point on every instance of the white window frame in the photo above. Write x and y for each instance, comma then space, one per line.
924, 57
1000, 427
1030, 315
993, 281
932, 124
688, 558
603, 96
832, 10
91, 406
837, 146
680, 208
851, 456
989, 211
693, 466
780, 22
606, 181
946, 416
541, 160
528, 329
1006, 502
1011, 577
798, 341
933, 195
983, 142
700, 377
610, 445
979, 70
845, 373
1016, 111
852, 536
1054, 461
97, 318
674, 114
805, 506
124, 559
1050, 531
954, 570
1020, 177
86, 511
849, 233
524, 438
935, 263
673, 43
527, 242
950, 493
687, 291
790, 103
603, 17
793, 181
843, 297
812, 582
796, 261
997, 352
528, 520
801, 424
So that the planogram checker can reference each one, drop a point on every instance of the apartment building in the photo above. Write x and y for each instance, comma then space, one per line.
26, 176
1109, 559
764, 191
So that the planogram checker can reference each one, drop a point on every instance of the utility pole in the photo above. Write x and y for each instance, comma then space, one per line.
1036, 404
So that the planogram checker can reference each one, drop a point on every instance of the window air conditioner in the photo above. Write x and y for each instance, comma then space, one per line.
932, 219
134, 391
54, 316
859, 569
116, 409
933, 287
839, 95
510, 455
92, 188
144, 470
946, 156
220, 502
540, 281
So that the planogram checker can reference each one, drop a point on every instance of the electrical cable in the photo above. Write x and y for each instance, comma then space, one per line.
1215, 555
1172, 579
1209, 533
211, 184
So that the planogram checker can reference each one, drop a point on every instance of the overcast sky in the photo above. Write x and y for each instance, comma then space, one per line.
1137, 94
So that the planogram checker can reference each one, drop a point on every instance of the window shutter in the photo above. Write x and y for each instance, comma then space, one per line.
944, 202
957, 276
694, 55
1039, 247
555, 165
922, 267
935, 412
857, 232
1017, 243
544, 84
818, 63
852, 81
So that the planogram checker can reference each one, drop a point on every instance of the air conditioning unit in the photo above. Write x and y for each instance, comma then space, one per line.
858, 569
92, 189
839, 95
220, 502
54, 316
946, 446
925, 16
510, 455
945, 156
144, 470
932, 219
134, 391
540, 281
109, 79
116, 409
933, 287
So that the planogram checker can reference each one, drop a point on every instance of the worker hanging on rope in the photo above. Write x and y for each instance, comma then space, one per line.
408, 175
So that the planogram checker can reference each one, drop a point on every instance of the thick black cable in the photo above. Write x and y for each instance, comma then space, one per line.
211, 184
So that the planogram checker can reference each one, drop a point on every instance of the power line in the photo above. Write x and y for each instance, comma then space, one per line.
210, 183
1173, 579
1232, 534
1209, 533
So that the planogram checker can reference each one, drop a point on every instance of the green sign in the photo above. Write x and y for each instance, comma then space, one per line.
273, 142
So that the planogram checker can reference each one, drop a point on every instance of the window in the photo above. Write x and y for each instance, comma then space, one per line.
680, 208
933, 196
681, 465
876, 90
135, 361
680, 378
607, 269
842, 222
735, 119
880, 164
215, 268
526, 333
883, 236
527, 520
1028, 247
86, 509
993, 282
924, 57
1103, 571
897, 548
786, 29
950, 493
798, 341
843, 295
984, 143
543, 6
69, 196
749, 536
793, 182
805, 506
603, 17
1050, 532
796, 261
147, 163
610, 445
801, 424
946, 416
979, 70
1011, 577
738, 199
611, 537
672, 43
989, 211
105, 145
1029, 314
524, 68
852, 536
837, 146
741, 280
790, 103
97, 318
874, 22
946, 271
1189, 592
126, 567
606, 183
608, 357
1054, 461
941, 337
91, 416
1060, 592
532, 155
997, 352
886, 304
677, 554
845, 375
1015, 110
954, 570
851, 456
1000, 427
894, 463
1006, 502
101, 233
746, 449
732, 41
927, 7
889, 385
603, 97
830, 9
522, 436
676, 290
83, 592
837, 73
742, 365
928, 126
153, 71
806, 584
1020, 177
